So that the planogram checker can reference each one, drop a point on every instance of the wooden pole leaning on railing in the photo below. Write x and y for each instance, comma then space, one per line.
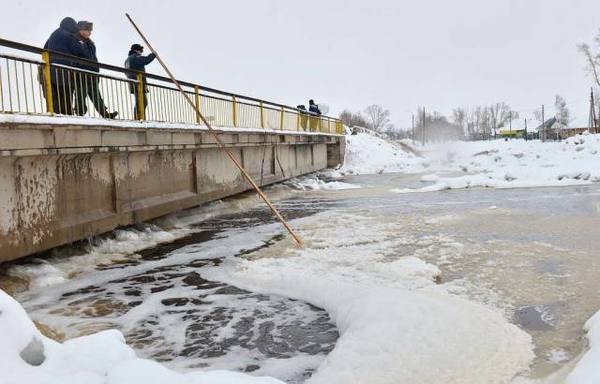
296, 238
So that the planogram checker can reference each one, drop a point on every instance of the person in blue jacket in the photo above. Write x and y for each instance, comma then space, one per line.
64, 40
137, 61
88, 84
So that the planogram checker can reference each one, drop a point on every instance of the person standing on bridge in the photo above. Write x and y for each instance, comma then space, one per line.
136, 61
62, 80
315, 112
88, 85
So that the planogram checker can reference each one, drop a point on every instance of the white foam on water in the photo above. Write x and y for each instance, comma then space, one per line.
395, 324
121, 245
314, 183
558, 356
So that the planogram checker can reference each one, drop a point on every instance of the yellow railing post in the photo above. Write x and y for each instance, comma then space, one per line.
140, 97
234, 108
320, 128
297, 121
281, 120
197, 92
48, 82
262, 115
328, 126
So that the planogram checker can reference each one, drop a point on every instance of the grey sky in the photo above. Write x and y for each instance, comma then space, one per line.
349, 54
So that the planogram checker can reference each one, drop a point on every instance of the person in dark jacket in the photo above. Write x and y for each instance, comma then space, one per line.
315, 112
87, 84
137, 61
313, 108
64, 40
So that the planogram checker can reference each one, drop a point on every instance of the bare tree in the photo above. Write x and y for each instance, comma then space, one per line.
483, 125
351, 119
500, 114
472, 128
459, 117
592, 58
377, 117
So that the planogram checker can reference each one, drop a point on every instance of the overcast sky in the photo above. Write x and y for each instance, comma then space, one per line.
348, 54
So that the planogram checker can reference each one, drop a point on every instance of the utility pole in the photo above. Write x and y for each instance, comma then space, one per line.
510, 123
543, 125
525, 129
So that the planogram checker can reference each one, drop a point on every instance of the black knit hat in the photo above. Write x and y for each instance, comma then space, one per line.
136, 47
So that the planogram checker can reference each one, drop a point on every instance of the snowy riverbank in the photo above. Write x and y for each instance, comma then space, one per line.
496, 164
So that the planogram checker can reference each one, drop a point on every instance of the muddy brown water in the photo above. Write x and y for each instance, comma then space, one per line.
531, 253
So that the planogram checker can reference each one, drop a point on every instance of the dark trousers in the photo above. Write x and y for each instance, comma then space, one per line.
62, 99
90, 89
137, 101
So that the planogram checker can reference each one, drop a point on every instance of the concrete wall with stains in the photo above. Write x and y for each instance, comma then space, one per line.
63, 183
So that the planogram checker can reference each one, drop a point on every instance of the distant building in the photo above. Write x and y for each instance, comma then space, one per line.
553, 130
549, 129
512, 133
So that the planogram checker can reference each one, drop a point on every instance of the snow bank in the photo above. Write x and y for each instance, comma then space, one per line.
367, 154
26, 356
396, 325
587, 370
511, 164
494, 164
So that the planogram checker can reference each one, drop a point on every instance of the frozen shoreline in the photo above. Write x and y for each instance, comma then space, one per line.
490, 164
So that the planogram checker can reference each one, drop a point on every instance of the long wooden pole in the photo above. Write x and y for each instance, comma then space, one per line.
296, 238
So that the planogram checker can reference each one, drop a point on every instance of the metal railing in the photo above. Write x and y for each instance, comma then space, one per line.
60, 84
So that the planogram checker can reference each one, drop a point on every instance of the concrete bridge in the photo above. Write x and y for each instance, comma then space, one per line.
63, 182
64, 178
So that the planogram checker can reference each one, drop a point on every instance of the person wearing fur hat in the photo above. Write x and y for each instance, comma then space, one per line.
137, 62
89, 84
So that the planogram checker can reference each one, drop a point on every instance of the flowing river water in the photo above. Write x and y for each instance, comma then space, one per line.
531, 254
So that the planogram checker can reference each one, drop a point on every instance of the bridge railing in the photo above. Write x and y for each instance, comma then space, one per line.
51, 83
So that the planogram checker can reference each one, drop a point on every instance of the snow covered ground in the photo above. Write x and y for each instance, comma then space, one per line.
496, 164
587, 370
367, 154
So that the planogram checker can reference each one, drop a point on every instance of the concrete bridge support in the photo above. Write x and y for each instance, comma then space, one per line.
63, 183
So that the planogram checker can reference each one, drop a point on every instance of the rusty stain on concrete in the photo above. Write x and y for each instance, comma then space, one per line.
53, 196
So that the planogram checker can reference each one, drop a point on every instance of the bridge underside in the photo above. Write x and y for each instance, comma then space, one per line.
63, 183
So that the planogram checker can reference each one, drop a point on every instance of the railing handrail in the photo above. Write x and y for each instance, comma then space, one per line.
33, 49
